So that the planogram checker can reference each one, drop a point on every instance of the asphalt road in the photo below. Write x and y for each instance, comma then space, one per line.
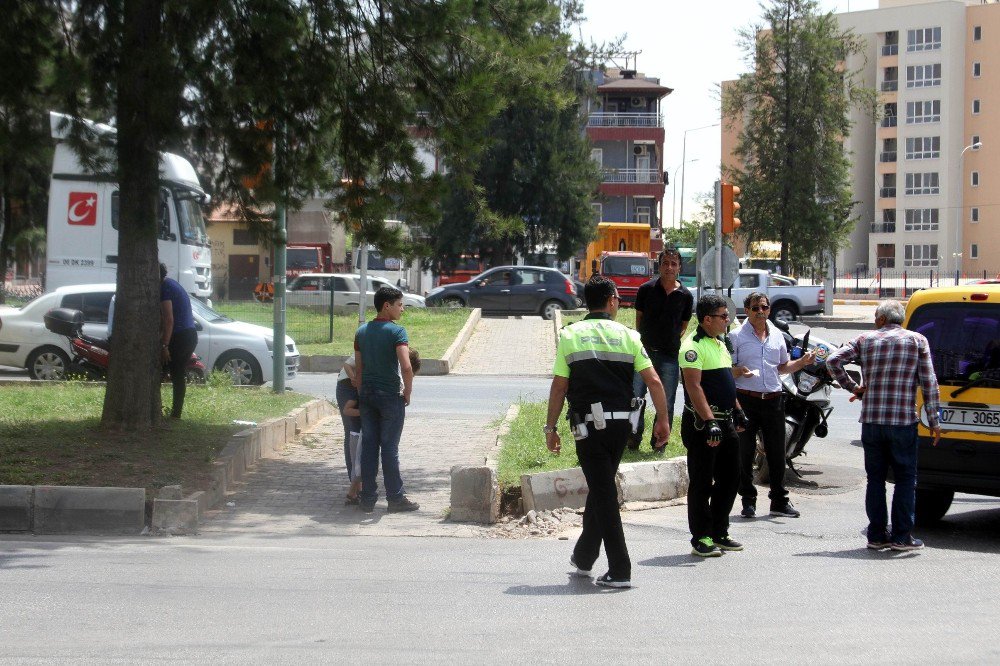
803, 590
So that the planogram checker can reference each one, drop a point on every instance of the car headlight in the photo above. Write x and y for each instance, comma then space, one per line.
807, 382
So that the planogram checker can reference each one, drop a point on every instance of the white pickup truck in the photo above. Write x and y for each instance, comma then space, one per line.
787, 302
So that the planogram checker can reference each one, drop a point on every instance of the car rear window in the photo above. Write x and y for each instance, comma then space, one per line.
964, 338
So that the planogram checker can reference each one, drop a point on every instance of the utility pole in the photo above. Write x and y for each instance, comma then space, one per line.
281, 241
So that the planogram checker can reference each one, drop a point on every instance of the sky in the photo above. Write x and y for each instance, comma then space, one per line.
691, 45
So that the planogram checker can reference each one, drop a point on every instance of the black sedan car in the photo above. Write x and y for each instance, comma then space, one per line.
510, 290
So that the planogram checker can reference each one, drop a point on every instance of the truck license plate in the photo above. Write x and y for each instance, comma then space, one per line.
968, 419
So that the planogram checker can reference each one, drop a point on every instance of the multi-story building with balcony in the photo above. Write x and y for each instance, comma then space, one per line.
926, 197
625, 128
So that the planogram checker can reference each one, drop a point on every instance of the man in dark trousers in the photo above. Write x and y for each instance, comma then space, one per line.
662, 311
760, 354
894, 362
709, 427
595, 361
178, 335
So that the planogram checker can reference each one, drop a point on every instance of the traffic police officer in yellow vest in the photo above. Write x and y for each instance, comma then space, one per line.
712, 416
595, 362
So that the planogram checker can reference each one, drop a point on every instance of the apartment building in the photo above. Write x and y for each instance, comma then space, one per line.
927, 192
626, 132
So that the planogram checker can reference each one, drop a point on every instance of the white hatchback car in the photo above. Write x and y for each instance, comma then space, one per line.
243, 350
314, 289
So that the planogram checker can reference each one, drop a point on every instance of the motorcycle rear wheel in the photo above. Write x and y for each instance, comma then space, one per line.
760, 460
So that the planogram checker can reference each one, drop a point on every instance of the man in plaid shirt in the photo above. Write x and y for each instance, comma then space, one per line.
893, 360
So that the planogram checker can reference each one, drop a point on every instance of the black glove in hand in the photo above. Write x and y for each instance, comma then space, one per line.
714, 432
740, 419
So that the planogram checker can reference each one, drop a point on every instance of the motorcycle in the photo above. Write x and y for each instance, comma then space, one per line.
807, 396
91, 356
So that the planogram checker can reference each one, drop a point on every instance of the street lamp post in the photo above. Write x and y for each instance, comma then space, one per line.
684, 159
673, 207
959, 250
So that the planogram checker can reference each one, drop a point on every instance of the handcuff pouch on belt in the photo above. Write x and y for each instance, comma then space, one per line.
636, 413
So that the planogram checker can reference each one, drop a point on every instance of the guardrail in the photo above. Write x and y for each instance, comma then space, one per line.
632, 176
625, 120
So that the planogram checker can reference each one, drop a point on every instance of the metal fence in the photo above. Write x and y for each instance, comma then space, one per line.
900, 283
305, 324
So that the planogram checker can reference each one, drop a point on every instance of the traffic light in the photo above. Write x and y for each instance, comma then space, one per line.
730, 208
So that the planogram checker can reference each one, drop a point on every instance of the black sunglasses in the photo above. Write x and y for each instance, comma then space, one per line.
760, 308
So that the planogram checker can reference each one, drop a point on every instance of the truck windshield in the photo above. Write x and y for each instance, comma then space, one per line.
376, 262
964, 338
631, 266
190, 219
303, 258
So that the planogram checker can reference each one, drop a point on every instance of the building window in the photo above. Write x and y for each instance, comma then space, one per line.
924, 39
977, 70
598, 210
975, 140
243, 237
920, 255
976, 106
921, 219
975, 179
974, 215
923, 76
597, 155
922, 183
642, 214
923, 147
923, 112
885, 255
974, 251
977, 33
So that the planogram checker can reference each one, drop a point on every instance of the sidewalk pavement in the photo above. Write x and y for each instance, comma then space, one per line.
509, 347
302, 492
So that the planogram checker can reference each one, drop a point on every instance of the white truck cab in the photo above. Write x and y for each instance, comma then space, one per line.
82, 237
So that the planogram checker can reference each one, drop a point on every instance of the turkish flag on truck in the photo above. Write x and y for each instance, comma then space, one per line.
82, 209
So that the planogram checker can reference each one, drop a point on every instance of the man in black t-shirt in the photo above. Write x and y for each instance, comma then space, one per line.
662, 311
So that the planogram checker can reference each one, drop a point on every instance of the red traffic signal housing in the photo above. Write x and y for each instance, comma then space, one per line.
730, 208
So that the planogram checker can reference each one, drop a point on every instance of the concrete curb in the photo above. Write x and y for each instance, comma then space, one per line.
429, 366
653, 481
122, 511
475, 491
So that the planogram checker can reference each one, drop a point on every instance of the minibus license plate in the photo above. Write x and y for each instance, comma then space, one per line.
969, 419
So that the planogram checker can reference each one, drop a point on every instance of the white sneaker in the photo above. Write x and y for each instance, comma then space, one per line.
582, 573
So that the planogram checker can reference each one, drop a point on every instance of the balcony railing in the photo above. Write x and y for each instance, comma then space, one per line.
883, 227
890, 49
651, 176
887, 193
889, 121
890, 86
625, 120
887, 156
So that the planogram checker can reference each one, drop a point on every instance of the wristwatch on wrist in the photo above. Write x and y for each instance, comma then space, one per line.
547, 429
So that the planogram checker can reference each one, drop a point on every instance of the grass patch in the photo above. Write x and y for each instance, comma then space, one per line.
50, 435
523, 450
431, 330
625, 316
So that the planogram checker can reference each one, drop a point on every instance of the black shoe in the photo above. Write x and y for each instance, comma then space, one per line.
402, 504
909, 543
725, 543
580, 571
608, 581
749, 511
705, 547
367, 507
786, 510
